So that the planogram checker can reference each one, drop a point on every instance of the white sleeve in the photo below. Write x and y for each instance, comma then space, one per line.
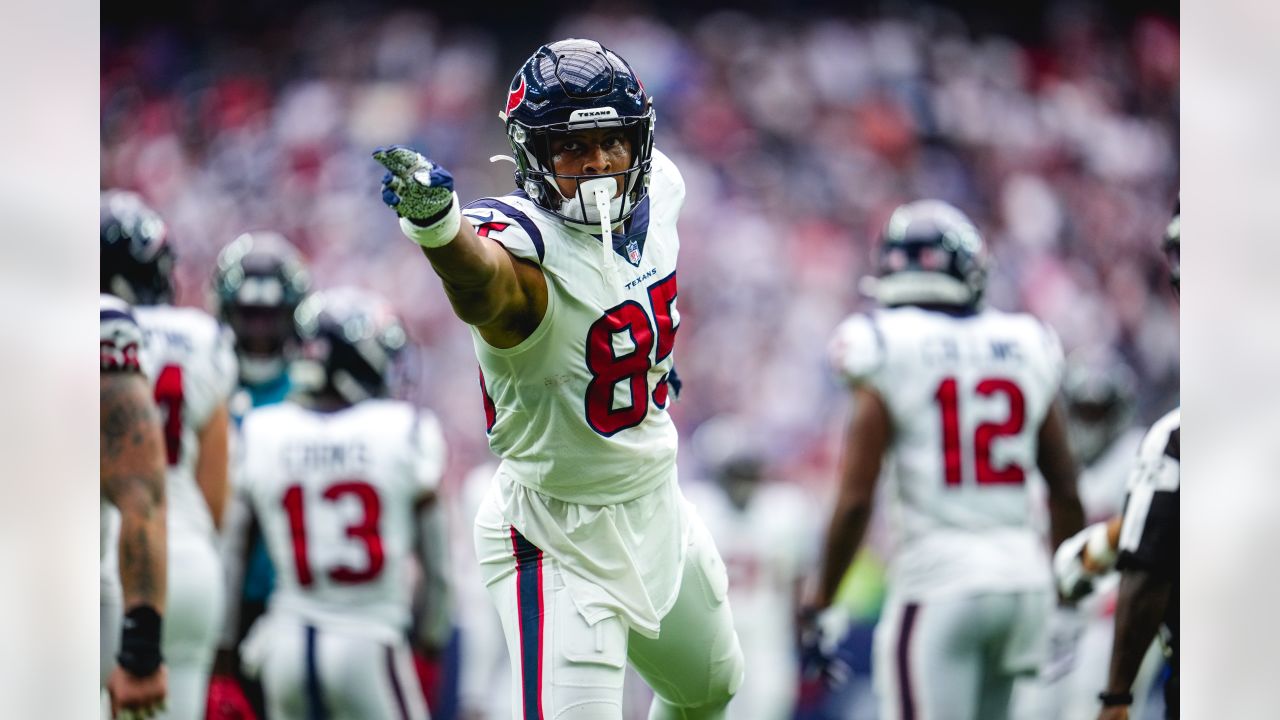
120, 340
1055, 362
857, 350
213, 374
503, 220
428, 453
666, 186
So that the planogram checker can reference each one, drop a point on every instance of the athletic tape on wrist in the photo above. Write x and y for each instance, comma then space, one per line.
140, 641
439, 233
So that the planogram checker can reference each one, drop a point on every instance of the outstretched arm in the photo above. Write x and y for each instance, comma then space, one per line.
503, 296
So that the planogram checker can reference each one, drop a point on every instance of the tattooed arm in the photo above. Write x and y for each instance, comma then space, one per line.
132, 473
132, 477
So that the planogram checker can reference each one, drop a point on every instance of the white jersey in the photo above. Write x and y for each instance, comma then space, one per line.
577, 411
967, 396
191, 361
334, 494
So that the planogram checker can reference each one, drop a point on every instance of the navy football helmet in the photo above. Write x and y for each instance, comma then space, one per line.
573, 85
258, 283
136, 262
350, 339
1172, 246
1101, 392
930, 254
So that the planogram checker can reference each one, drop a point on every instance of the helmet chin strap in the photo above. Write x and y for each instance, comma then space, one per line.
601, 192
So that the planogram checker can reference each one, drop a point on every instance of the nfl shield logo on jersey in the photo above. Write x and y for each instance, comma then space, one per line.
633, 252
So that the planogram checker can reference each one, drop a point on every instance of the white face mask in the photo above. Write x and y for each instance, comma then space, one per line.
257, 370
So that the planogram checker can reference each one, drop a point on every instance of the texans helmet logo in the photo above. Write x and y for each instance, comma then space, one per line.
516, 96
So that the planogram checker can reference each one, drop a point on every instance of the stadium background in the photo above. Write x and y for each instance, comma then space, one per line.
798, 127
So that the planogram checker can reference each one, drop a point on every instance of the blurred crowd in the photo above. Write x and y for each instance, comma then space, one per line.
796, 138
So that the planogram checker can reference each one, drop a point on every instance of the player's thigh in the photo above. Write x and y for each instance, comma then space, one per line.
928, 658
1023, 641
194, 608
282, 655
561, 666
696, 659
192, 618
359, 678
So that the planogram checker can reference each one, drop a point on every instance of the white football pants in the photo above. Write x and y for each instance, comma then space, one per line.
957, 658
312, 671
192, 620
562, 667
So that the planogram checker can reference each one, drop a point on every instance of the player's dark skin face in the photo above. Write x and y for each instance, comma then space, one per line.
596, 151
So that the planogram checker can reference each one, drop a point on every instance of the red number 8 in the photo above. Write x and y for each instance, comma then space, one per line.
608, 369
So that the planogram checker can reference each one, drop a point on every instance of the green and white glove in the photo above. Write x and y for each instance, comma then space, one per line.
421, 193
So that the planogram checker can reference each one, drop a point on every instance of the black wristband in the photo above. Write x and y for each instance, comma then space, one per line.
1110, 699
140, 641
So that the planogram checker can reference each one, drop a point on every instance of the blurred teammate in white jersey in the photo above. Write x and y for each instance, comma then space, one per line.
132, 515
962, 400
192, 367
569, 286
1099, 390
259, 281
343, 483
1143, 544
767, 537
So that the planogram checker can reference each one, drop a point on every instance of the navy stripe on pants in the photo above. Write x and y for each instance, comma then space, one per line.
529, 609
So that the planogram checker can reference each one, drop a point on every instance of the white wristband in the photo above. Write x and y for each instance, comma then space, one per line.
1098, 547
437, 234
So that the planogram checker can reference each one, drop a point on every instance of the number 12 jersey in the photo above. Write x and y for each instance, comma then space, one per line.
967, 395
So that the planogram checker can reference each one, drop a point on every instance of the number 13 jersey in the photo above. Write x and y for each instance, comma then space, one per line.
577, 411
966, 396
335, 494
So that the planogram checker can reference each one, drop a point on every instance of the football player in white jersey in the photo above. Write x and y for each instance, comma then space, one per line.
767, 537
259, 281
1100, 391
192, 366
569, 285
963, 401
133, 520
1142, 543
343, 483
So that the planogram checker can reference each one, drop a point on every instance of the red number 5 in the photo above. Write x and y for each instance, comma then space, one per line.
983, 435
608, 369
